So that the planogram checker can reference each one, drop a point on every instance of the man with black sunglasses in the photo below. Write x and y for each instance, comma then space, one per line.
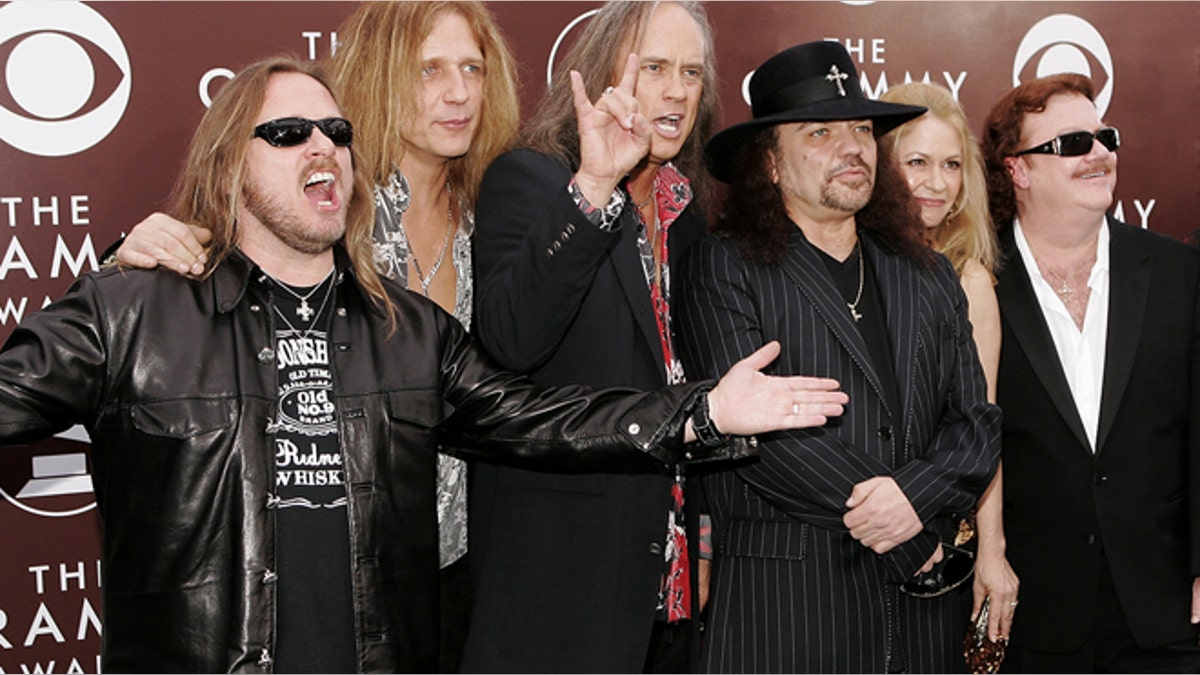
1099, 381
265, 436
288, 132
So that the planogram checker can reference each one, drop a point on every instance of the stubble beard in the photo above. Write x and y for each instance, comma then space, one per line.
843, 196
289, 226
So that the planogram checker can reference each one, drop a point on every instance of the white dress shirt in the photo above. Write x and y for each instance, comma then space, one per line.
1081, 352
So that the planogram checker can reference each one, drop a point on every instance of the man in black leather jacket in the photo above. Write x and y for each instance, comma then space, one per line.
265, 468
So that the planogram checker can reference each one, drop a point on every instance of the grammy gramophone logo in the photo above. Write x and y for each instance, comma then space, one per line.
50, 478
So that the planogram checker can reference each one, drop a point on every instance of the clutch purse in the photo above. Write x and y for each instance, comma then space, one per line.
982, 655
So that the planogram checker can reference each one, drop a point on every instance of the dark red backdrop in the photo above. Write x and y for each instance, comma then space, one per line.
98, 102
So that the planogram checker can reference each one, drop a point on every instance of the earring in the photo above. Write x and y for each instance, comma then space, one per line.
955, 209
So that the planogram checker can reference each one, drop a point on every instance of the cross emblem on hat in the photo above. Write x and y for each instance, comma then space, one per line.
836, 76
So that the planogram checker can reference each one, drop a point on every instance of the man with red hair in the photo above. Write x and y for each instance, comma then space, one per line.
1099, 381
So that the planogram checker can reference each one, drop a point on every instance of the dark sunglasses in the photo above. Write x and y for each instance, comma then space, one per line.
288, 132
1076, 143
953, 571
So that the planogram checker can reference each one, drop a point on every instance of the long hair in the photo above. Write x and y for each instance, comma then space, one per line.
892, 215
967, 231
209, 189
599, 55
1002, 133
377, 71
754, 214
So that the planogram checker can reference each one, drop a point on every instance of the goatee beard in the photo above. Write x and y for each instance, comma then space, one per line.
289, 226
844, 196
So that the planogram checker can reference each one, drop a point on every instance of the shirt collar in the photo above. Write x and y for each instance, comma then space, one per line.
1102, 253
672, 193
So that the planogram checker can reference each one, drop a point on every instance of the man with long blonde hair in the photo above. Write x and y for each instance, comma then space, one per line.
431, 90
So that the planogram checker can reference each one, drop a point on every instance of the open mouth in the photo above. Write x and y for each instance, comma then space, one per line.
669, 124
320, 189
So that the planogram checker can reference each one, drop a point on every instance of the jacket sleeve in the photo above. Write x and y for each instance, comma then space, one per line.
503, 417
536, 255
52, 368
960, 457
808, 473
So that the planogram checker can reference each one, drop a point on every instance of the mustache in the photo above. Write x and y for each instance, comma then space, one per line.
853, 162
323, 164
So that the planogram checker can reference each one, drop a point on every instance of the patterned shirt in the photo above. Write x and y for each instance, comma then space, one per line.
391, 259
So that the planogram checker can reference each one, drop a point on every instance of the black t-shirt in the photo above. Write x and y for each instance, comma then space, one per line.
849, 278
315, 611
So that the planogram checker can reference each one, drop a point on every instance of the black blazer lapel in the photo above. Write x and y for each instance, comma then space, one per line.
1019, 309
803, 265
899, 293
1128, 292
627, 263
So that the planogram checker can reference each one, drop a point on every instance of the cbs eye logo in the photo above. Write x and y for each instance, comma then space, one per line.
1065, 43
562, 35
58, 59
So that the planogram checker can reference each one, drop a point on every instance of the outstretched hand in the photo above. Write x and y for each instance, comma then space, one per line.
162, 240
613, 135
747, 402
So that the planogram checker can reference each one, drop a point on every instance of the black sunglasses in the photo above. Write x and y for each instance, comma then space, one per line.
1076, 143
287, 132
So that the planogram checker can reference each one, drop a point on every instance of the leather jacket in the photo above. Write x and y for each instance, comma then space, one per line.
175, 381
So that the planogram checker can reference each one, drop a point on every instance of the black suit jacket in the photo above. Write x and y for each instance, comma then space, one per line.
566, 567
793, 591
1062, 502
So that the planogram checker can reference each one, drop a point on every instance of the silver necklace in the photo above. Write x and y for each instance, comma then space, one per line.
423, 279
310, 313
304, 311
858, 296
1064, 287
642, 204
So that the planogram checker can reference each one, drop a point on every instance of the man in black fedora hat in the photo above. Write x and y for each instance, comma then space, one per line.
832, 550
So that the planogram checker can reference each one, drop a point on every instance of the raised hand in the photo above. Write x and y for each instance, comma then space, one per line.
613, 135
162, 240
747, 402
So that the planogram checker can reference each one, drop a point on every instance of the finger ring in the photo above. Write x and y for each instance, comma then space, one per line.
1013, 603
609, 90
795, 409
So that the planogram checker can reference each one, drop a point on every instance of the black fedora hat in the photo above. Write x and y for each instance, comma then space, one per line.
814, 81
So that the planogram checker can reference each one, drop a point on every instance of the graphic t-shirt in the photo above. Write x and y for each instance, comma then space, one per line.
315, 613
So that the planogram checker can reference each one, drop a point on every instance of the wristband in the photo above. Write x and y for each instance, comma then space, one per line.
707, 433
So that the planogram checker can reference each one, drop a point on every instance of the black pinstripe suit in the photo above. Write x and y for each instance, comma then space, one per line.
793, 591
